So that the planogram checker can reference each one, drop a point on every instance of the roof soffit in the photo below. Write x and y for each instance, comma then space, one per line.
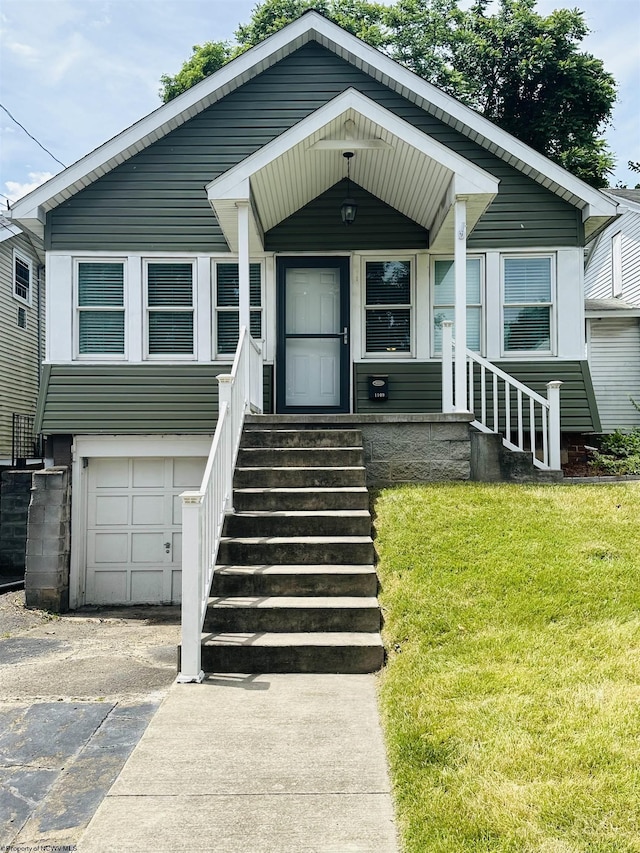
312, 26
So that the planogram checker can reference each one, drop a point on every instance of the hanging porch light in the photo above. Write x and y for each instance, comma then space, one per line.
349, 207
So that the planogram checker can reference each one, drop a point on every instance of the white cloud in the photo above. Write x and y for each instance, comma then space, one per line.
16, 190
25, 51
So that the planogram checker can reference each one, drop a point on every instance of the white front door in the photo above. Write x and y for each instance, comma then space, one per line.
134, 546
314, 338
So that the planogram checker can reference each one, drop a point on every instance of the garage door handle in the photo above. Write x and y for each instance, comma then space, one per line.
167, 547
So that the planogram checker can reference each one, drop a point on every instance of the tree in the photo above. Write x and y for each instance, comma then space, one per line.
522, 70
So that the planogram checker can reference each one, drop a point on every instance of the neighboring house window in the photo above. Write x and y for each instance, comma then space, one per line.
528, 304
227, 316
170, 309
22, 278
100, 288
22, 318
444, 301
616, 265
388, 307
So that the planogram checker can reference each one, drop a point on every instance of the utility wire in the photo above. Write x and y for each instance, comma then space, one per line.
31, 136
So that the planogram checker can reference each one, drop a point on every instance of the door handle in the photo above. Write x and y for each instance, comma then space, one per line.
345, 335
167, 547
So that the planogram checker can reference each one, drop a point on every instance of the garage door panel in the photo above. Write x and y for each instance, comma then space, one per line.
148, 473
109, 510
187, 473
176, 586
147, 586
109, 587
148, 548
110, 547
109, 473
148, 510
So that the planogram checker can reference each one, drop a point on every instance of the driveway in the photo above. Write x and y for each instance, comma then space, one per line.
76, 693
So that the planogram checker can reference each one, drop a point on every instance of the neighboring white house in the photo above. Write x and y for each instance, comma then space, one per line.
22, 324
612, 310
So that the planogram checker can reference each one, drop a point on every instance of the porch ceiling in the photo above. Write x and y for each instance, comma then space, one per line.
392, 160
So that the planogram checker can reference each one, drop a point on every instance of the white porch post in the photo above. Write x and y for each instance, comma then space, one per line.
243, 262
460, 312
447, 367
553, 396
192, 583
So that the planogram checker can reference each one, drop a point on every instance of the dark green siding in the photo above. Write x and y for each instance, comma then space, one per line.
318, 226
156, 200
416, 387
139, 398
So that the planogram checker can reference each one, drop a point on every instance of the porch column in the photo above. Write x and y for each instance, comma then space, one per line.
243, 263
460, 312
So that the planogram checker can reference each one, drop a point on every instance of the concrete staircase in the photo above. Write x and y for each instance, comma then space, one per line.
294, 588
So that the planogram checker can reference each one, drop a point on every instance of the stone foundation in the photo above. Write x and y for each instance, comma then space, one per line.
15, 492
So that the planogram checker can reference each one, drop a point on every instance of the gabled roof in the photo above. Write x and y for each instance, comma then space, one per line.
595, 206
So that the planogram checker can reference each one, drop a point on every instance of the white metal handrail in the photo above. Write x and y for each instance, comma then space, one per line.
521, 404
203, 511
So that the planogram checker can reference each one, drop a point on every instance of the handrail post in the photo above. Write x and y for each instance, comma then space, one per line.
447, 366
553, 396
192, 582
225, 394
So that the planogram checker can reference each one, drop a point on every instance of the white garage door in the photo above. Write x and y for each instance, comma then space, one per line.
134, 543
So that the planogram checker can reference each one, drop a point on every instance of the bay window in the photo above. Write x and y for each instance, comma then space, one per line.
527, 303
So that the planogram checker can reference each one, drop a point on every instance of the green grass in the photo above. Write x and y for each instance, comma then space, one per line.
511, 697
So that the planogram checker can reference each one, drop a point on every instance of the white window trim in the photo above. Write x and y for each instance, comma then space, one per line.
482, 304
383, 355
170, 357
552, 305
216, 355
20, 256
77, 310
617, 284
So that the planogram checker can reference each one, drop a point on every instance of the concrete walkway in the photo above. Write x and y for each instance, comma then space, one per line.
254, 764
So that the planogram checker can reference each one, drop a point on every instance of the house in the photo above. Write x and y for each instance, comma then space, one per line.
612, 290
345, 211
22, 339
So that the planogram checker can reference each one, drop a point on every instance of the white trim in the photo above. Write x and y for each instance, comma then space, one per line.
28, 262
552, 305
77, 310
311, 26
193, 310
385, 257
482, 305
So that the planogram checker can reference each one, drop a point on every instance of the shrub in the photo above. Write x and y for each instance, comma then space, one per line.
619, 453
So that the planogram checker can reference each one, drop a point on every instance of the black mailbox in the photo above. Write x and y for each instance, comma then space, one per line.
379, 388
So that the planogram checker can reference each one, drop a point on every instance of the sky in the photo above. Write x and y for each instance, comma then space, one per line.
77, 72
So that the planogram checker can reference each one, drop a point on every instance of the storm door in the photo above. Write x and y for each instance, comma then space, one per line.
313, 335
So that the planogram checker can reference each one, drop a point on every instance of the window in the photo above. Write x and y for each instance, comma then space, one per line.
22, 278
444, 301
100, 298
227, 294
528, 302
22, 318
388, 307
170, 309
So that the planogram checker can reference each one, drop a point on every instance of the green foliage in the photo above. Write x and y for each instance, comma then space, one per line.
204, 60
619, 452
522, 70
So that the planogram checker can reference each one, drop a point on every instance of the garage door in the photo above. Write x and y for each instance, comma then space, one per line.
134, 546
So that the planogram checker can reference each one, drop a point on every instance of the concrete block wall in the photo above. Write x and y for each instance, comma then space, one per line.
416, 451
15, 493
49, 540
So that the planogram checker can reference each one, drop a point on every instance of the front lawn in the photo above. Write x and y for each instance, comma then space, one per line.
511, 698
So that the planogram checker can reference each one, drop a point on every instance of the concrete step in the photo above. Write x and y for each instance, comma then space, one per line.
300, 457
298, 580
308, 477
292, 614
299, 652
333, 522
247, 500
296, 549
256, 437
